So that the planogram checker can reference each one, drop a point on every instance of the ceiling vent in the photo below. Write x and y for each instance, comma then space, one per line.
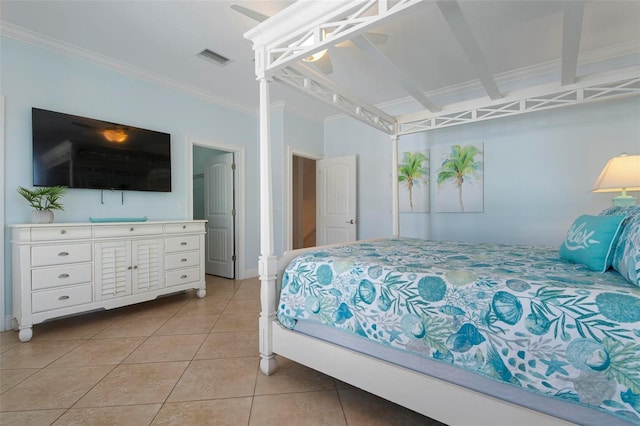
214, 57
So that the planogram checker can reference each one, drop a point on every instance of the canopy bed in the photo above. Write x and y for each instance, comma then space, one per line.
435, 388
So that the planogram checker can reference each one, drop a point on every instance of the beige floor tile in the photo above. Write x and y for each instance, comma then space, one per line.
221, 288
243, 305
237, 321
197, 324
8, 337
248, 290
364, 409
229, 345
52, 388
10, 378
36, 354
217, 378
30, 418
300, 409
6, 346
100, 352
229, 411
206, 306
167, 348
135, 384
291, 377
132, 327
120, 415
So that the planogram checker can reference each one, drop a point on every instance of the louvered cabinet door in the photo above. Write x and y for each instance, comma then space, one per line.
148, 265
112, 273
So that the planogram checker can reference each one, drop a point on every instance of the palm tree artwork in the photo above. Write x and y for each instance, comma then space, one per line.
412, 172
462, 166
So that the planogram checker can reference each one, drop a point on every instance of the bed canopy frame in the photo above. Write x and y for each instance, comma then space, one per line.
306, 27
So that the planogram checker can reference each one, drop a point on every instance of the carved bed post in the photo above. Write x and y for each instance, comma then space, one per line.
268, 264
395, 210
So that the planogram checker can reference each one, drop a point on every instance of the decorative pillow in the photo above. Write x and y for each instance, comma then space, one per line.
590, 241
626, 257
626, 254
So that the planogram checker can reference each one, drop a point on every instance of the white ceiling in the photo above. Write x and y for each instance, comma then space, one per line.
520, 40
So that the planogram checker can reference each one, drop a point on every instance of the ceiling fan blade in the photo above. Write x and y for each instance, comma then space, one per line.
324, 64
257, 16
377, 38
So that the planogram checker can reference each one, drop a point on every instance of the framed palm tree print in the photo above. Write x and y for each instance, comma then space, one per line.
459, 178
413, 182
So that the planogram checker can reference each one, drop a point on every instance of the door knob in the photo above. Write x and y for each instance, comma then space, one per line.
351, 222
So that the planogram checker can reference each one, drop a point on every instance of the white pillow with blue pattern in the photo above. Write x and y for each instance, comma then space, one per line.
626, 254
591, 240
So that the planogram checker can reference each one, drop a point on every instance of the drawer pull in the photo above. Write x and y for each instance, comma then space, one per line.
63, 232
182, 277
184, 243
63, 276
183, 260
135, 267
63, 253
184, 226
129, 268
131, 229
63, 297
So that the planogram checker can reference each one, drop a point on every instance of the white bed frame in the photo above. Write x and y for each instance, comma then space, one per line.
280, 43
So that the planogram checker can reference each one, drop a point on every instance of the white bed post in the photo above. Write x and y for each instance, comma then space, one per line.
395, 210
267, 265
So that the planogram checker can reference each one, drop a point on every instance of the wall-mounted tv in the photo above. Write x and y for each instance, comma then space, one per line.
80, 152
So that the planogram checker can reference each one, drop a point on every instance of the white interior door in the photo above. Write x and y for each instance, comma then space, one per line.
219, 211
336, 200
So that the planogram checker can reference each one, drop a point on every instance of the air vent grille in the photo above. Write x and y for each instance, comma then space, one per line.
214, 57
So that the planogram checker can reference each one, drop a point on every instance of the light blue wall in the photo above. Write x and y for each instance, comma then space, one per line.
538, 171
36, 77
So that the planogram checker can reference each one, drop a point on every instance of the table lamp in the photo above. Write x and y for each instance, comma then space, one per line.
620, 174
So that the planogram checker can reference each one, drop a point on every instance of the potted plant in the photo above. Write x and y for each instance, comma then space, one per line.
44, 200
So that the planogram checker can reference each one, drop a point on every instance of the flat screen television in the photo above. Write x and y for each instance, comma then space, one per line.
80, 152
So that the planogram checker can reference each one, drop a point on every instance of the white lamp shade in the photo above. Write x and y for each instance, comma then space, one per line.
620, 173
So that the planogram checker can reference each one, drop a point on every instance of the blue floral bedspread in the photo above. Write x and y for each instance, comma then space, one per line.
517, 314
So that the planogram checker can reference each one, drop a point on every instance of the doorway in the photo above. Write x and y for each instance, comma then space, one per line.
303, 214
217, 196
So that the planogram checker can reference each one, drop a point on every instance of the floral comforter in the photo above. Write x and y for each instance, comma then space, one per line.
513, 313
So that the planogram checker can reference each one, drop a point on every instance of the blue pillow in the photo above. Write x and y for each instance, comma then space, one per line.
590, 241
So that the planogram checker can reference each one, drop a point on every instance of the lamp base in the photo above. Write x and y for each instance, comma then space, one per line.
625, 201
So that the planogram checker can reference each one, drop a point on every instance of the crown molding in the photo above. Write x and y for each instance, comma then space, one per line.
31, 37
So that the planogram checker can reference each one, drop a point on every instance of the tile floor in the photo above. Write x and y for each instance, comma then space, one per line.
177, 360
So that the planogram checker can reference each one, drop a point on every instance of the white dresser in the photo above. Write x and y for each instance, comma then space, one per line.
68, 268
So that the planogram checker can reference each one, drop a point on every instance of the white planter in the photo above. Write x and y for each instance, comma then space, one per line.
42, 216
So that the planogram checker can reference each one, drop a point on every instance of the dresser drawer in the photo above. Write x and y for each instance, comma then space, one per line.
183, 260
174, 228
183, 243
183, 276
60, 254
130, 230
58, 276
60, 233
60, 298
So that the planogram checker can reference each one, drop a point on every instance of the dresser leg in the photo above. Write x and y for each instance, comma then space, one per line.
202, 292
25, 334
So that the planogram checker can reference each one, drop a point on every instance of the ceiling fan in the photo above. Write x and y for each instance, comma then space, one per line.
320, 59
